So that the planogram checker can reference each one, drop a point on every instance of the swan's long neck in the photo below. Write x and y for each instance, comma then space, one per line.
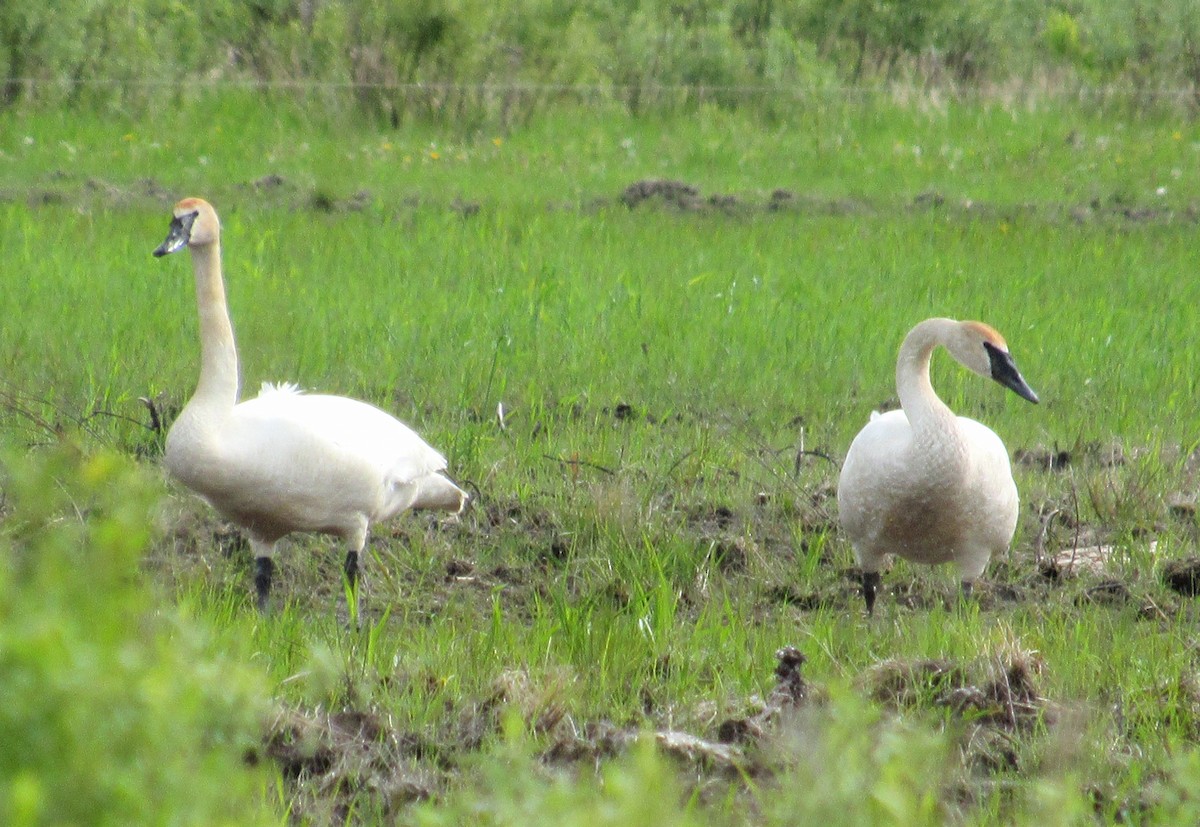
218, 385
931, 419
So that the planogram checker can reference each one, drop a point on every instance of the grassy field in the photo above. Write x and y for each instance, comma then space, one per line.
654, 517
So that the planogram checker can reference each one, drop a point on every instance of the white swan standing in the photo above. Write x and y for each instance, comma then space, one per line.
287, 461
923, 483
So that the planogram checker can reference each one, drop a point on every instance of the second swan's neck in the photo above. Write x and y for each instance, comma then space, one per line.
218, 385
925, 411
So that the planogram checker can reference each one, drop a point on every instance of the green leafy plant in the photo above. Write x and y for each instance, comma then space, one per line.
113, 713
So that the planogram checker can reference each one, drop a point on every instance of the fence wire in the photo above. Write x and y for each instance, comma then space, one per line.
618, 90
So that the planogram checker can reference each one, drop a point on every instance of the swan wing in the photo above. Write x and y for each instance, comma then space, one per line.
346, 426
993, 483
873, 466
409, 471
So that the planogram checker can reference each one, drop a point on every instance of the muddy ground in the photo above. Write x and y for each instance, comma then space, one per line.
994, 707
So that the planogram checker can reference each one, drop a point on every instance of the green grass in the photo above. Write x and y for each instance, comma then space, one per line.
643, 570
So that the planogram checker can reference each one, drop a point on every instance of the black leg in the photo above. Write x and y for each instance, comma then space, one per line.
870, 585
263, 568
966, 591
352, 577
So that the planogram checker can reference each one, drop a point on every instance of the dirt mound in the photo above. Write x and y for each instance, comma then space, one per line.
1008, 698
331, 758
672, 193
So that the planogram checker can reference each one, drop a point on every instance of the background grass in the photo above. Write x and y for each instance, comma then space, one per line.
638, 567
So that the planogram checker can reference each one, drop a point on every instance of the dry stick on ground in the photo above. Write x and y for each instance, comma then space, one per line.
156, 420
13, 402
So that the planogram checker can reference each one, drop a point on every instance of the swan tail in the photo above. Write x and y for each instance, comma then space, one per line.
270, 389
437, 491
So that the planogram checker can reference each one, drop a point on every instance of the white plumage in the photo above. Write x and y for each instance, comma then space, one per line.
923, 483
287, 461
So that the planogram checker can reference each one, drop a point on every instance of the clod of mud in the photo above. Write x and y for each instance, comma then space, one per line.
270, 181
790, 693
672, 193
790, 690
465, 207
151, 188
725, 203
1183, 576
624, 411
928, 199
781, 199
458, 569
322, 201
711, 518
43, 198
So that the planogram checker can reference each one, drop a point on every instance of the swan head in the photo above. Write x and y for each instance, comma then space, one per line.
981, 348
194, 224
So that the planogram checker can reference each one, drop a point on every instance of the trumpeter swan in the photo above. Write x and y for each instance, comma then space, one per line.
923, 483
286, 461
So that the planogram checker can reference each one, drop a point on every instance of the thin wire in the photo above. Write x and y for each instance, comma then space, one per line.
1096, 90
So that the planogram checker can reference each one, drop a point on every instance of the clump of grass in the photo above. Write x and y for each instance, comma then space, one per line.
114, 710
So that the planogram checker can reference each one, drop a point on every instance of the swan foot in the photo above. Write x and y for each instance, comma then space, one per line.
263, 569
353, 599
870, 585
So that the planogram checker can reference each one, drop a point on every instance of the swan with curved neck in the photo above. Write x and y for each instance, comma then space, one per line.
923, 483
286, 461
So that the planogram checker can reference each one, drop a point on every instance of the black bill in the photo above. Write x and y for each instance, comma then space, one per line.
1004, 371
178, 236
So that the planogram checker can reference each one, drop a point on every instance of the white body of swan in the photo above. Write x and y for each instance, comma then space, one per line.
285, 461
923, 483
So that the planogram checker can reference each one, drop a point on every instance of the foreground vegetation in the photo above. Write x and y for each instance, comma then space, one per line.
648, 388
